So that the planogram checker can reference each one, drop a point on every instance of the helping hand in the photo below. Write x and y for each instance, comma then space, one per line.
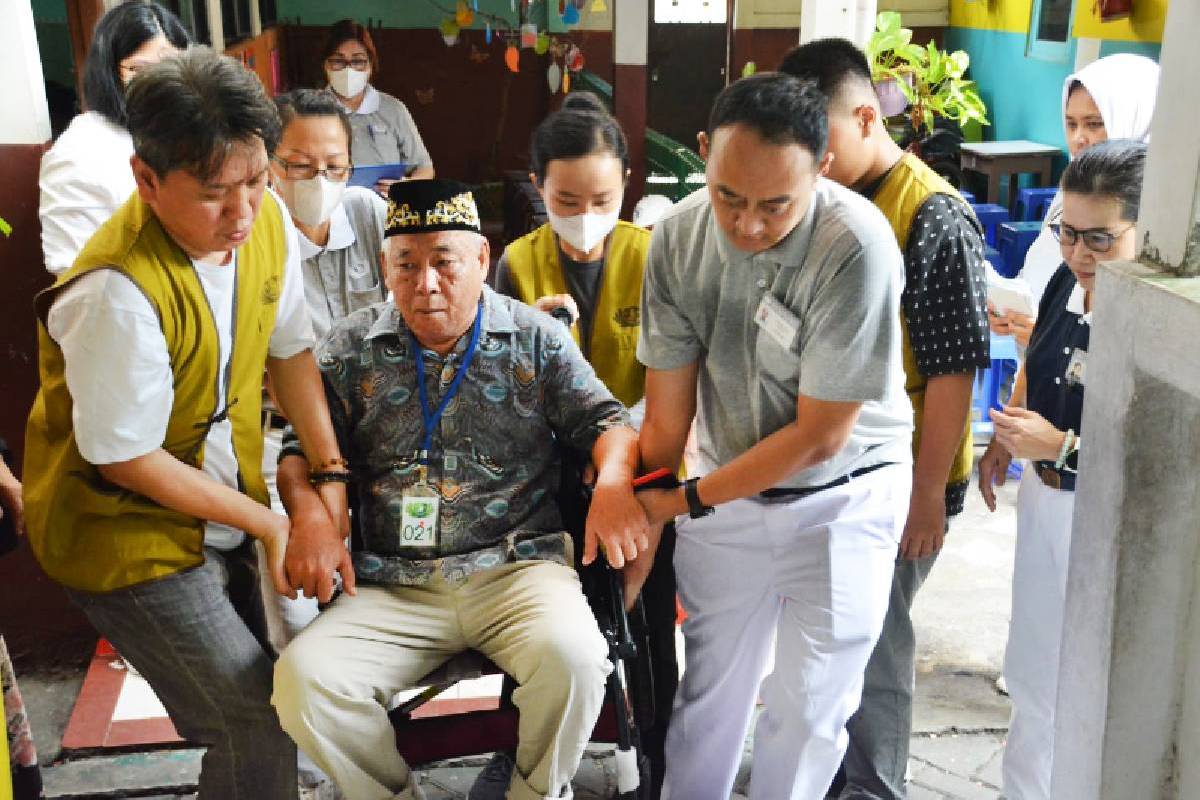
617, 522
316, 550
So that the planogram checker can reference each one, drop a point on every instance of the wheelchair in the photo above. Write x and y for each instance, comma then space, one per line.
629, 693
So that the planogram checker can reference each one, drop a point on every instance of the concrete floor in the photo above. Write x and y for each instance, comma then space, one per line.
959, 721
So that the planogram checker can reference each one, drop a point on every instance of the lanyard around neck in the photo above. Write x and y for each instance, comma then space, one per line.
431, 417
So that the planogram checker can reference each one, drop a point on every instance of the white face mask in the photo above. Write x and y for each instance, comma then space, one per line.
348, 82
312, 201
583, 231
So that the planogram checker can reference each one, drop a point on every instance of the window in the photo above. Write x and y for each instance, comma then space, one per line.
689, 11
1050, 30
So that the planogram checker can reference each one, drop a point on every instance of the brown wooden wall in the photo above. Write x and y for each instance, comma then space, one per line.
36, 619
473, 113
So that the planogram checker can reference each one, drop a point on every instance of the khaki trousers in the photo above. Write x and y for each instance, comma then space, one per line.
333, 681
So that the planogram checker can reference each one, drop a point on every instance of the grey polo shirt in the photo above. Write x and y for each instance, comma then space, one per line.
385, 133
839, 272
345, 275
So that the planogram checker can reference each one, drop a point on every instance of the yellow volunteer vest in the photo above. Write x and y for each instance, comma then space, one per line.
900, 196
87, 533
536, 272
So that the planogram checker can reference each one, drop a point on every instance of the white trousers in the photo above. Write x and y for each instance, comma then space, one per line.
812, 578
1035, 635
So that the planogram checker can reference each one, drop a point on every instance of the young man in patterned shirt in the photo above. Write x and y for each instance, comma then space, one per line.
944, 316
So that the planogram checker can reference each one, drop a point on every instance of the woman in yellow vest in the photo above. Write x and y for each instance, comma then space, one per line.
591, 262
584, 258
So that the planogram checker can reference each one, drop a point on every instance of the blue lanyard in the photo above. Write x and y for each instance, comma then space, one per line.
430, 418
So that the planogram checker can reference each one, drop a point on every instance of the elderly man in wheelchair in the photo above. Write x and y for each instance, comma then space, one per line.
459, 542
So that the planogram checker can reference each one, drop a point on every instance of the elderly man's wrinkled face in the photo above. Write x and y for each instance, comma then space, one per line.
437, 279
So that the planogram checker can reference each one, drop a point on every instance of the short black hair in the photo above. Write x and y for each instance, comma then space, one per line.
120, 32
312, 103
343, 31
780, 108
1110, 169
186, 112
830, 64
582, 126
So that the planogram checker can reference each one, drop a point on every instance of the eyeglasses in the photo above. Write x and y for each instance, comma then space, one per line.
303, 172
338, 63
1098, 240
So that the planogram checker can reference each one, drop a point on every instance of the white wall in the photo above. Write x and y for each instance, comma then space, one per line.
24, 116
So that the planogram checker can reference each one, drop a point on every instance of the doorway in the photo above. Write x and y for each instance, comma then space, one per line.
688, 50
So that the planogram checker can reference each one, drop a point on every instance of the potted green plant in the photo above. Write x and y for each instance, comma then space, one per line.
929, 79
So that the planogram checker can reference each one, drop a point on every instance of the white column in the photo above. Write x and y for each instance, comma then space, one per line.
24, 116
1171, 200
255, 18
1086, 51
849, 19
631, 31
216, 25
1128, 721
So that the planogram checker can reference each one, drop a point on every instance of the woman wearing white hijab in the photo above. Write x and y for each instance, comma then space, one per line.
1111, 98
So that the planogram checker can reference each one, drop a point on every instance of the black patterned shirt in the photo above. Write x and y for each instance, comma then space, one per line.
495, 458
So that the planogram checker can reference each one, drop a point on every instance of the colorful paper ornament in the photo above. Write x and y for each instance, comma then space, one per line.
529, 35
543, 44
449, 30
554, 76
566, 82
574, 59
487, 33
598, 7
571, 15
749, 69
463, 15
512, 58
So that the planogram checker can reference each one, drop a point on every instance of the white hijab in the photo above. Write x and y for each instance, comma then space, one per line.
1124, 87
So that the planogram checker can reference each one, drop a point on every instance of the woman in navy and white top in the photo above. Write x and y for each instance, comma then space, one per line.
1100, 192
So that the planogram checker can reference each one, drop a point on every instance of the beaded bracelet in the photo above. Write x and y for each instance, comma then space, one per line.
1065, 450
316, 478
329, 464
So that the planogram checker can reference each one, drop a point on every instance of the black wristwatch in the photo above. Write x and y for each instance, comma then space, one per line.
696, 509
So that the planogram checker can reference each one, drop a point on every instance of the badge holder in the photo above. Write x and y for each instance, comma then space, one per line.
420, 507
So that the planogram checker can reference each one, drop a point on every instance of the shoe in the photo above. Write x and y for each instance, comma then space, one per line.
325, 789
492, 781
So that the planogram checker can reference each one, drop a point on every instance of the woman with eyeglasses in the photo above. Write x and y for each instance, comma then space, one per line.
384, 131
86, 176
1100, 191
340, 227
1111, 98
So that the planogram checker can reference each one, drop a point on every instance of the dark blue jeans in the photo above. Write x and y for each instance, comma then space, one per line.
190, 637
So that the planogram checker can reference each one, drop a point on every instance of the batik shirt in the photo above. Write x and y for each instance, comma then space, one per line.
495, 457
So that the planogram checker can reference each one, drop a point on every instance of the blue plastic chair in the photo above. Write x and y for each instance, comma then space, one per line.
968, 196
990, 216
1013, 240
989, 383
1032, 204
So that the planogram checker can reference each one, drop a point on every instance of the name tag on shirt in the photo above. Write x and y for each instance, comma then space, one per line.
1077, 368
419, 517
778, 321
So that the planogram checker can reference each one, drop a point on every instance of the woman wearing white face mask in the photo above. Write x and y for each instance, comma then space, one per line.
384, 131
341, 228
585, 258
589, 261
85, 176
1112, 98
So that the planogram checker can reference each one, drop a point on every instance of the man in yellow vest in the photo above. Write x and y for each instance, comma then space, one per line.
143, 451
945, 339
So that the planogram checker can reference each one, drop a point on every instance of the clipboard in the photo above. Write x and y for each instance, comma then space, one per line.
368, 176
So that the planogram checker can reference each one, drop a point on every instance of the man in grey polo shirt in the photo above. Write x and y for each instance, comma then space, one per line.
770, 314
